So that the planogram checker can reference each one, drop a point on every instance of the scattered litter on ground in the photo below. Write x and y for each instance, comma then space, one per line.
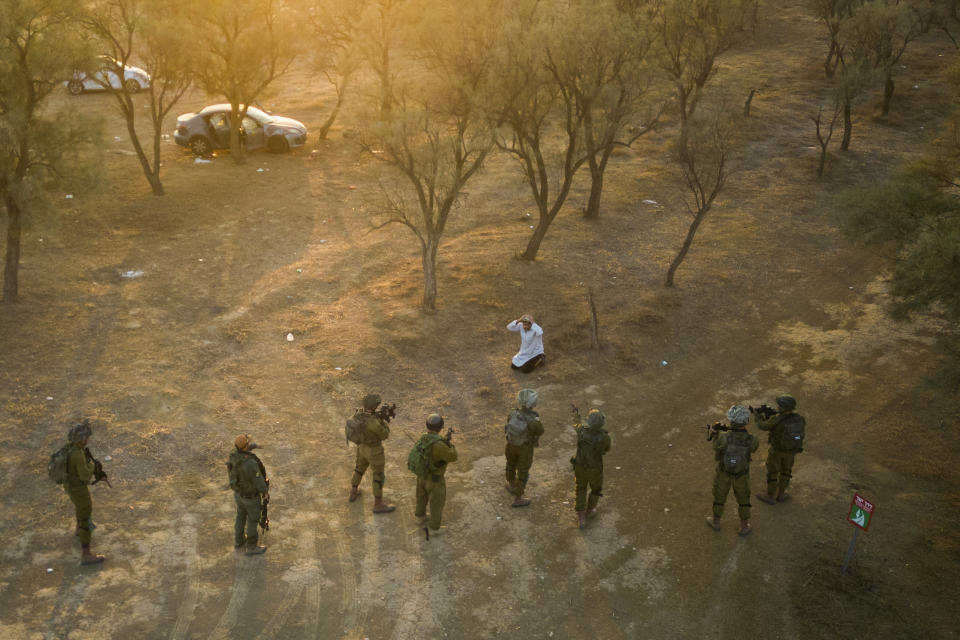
663, 363
49, 397
289, 337
299, 270
652, 202
164, 136
69, 196
338, 368
117, 138
49, 569
618, 468
202, 161
107, 458
353, 187
323, 241
132, 273
199, 259
260, 170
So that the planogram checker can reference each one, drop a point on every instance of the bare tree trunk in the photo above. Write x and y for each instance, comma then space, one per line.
151, 174
830, 66
12, 263
746, 105
429, 259
687, 242
847, 126
596, 190
594, 323
533, 245
888, 87
325, 128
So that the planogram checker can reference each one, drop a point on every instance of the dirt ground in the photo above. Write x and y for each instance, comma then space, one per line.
174, 363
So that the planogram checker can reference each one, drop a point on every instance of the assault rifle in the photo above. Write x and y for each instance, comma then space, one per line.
449, 435
713, 430
386, 412
98, 472
264, 518
764, 411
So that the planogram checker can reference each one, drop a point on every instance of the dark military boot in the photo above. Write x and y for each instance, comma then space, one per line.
592, 511
582, 519
744, 528
354, 493
768, 497
782, 496
713, 522
379, 506
88, 557
255, 550
520, 501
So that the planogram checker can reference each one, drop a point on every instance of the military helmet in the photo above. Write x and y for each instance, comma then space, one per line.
527, 398
786, 403
434, 422
370, 401
595, 419
244, 443
738, 415
80, 431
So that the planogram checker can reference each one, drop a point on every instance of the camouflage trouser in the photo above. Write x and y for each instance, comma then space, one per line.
432, 490
741, 489
592, 478
779, 470
370, 455
519, 461
248, 515
83, 505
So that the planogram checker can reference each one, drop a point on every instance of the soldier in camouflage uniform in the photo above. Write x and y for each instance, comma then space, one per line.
370, 454
724, 479
523, 431
432, 487
248, 479
593, 442
80, 470
779, 459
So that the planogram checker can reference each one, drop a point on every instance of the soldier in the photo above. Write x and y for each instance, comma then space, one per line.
593, 442
432, 485
370, 454
81, 468
733, 450
523, 431
248, 479
786, 432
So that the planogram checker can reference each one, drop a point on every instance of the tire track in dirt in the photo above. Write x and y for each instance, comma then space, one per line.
187, 542
304, 579
353, 616
243, 578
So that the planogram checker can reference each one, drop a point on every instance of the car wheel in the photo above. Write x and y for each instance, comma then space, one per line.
278, 144
200, 146
75, 87
131, 86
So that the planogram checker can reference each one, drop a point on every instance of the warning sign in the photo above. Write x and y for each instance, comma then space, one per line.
861, 511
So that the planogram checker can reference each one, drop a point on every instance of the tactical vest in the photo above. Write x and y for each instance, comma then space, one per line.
735, 457
239, 481
590, 448
516, 427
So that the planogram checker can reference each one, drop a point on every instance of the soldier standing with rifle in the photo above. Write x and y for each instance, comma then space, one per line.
251, 492
370, 451
786, 429
593, 442
523, 431
436, 453
732, 449
81, 467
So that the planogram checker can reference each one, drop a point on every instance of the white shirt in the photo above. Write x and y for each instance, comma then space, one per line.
531, 342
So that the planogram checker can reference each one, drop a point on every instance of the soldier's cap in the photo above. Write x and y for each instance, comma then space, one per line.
434, 422
527, 398
786, 403
370, 401
80, 431
738, 414
244, 443
595, 419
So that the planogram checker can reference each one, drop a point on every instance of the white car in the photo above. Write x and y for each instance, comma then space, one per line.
108, 77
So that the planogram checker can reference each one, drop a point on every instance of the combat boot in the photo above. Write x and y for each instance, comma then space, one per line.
713, 522
745, 528
354, 493
582, 519
255, 550
768, 497
782, 496
592, 511
88, 557
379, 506
520, 501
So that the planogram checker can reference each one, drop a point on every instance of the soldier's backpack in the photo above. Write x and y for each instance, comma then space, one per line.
792, 433
57, 467
356, 428
590, 448
420, 459
516, 427
233, 468
735, 457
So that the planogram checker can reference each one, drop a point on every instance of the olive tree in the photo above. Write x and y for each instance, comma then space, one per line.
39, 147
